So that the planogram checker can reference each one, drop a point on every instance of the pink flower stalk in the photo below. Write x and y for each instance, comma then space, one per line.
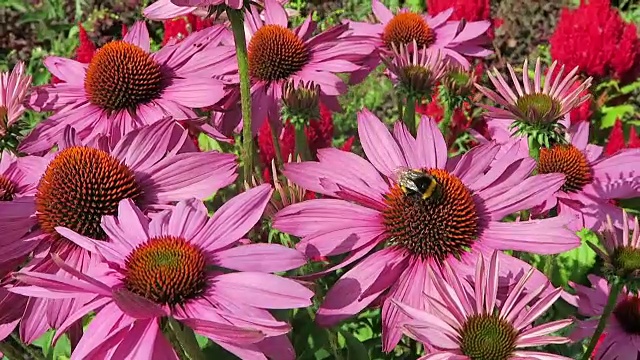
622, 336
543, 104
591, 180
454, 39
278, 55
125, 87
471, 325
458, 223
170, 266
153, 166
13, 91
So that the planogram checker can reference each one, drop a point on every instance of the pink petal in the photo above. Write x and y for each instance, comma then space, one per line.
381, 12
138, 35
235, 218
195, 92
137, 306
431, 144
378, 144
262, 290
274, 13
166, 10
259, 258
547, 236
67, 70
361, 285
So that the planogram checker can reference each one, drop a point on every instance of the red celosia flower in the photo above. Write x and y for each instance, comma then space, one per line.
596, 38
180, 27
84, 52
469, 10
616, 139
319, 135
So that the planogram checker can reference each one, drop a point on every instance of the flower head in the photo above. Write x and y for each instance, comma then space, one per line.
595, 38
622, 330
621, 251
153, 166
279, 55
170, 265
396, 236
538, 108
471, 325
13, 91
125, 87
591, 180
415, 72
454, 39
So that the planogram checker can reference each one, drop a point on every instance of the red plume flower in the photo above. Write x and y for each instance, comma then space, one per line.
596, 38
180, 27
617, 142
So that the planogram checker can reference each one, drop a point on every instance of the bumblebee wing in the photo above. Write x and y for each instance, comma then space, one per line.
398, 173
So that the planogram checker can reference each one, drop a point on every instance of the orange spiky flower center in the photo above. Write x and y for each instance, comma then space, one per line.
276, 53
568, 160
406, 27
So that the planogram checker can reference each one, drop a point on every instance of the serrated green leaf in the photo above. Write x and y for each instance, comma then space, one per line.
614, 112
356, 350
574, 265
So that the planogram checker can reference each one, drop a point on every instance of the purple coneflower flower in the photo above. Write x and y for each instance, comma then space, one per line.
417, 72
170, 266
621, 249
622, 331
153, 166
454, 39
591, 179
471, 324
458, 222
278, 55
125, 87
541, 106
13, 90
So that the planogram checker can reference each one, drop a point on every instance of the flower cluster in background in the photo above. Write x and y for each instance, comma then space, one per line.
253, 180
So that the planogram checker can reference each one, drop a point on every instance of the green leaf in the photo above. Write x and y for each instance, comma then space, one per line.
627, 89
207, 144
357, 350
61, 350
574, 265
614, 112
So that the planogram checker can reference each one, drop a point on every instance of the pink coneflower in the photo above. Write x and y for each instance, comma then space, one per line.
457, 223
154, 166
591, 180
125, 87
13, 90
471, 325
454, 39
170, 266
622, 332
541, 106
279, 55
415, 72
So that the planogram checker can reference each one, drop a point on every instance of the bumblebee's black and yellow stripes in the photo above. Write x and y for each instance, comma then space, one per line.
417, 182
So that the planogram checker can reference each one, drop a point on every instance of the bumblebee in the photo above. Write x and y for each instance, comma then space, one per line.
417, 182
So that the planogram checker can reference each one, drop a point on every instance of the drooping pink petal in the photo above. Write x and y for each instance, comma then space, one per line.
262, 290
259, 258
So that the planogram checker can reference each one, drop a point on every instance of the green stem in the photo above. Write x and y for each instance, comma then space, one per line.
34, 354
410, 115
534, 148
187, 340
608, 309
237, 26
173, 340
276, 146
302, 147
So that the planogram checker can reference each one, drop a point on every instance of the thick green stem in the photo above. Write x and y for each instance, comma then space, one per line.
237, 26
10, 351
608, 309
276, 147
410, 115
302, 146
187, 340
34, 353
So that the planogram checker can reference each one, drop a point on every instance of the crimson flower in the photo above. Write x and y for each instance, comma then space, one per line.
595, 38
180, 27
616, 139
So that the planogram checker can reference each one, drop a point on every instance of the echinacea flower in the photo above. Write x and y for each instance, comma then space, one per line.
177, 264
13, 90
591, 180
454, 39
539, 107
620, 249
622, 332
416, 72
471, 325
278, 55
125, 86
459, 222
153, 166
